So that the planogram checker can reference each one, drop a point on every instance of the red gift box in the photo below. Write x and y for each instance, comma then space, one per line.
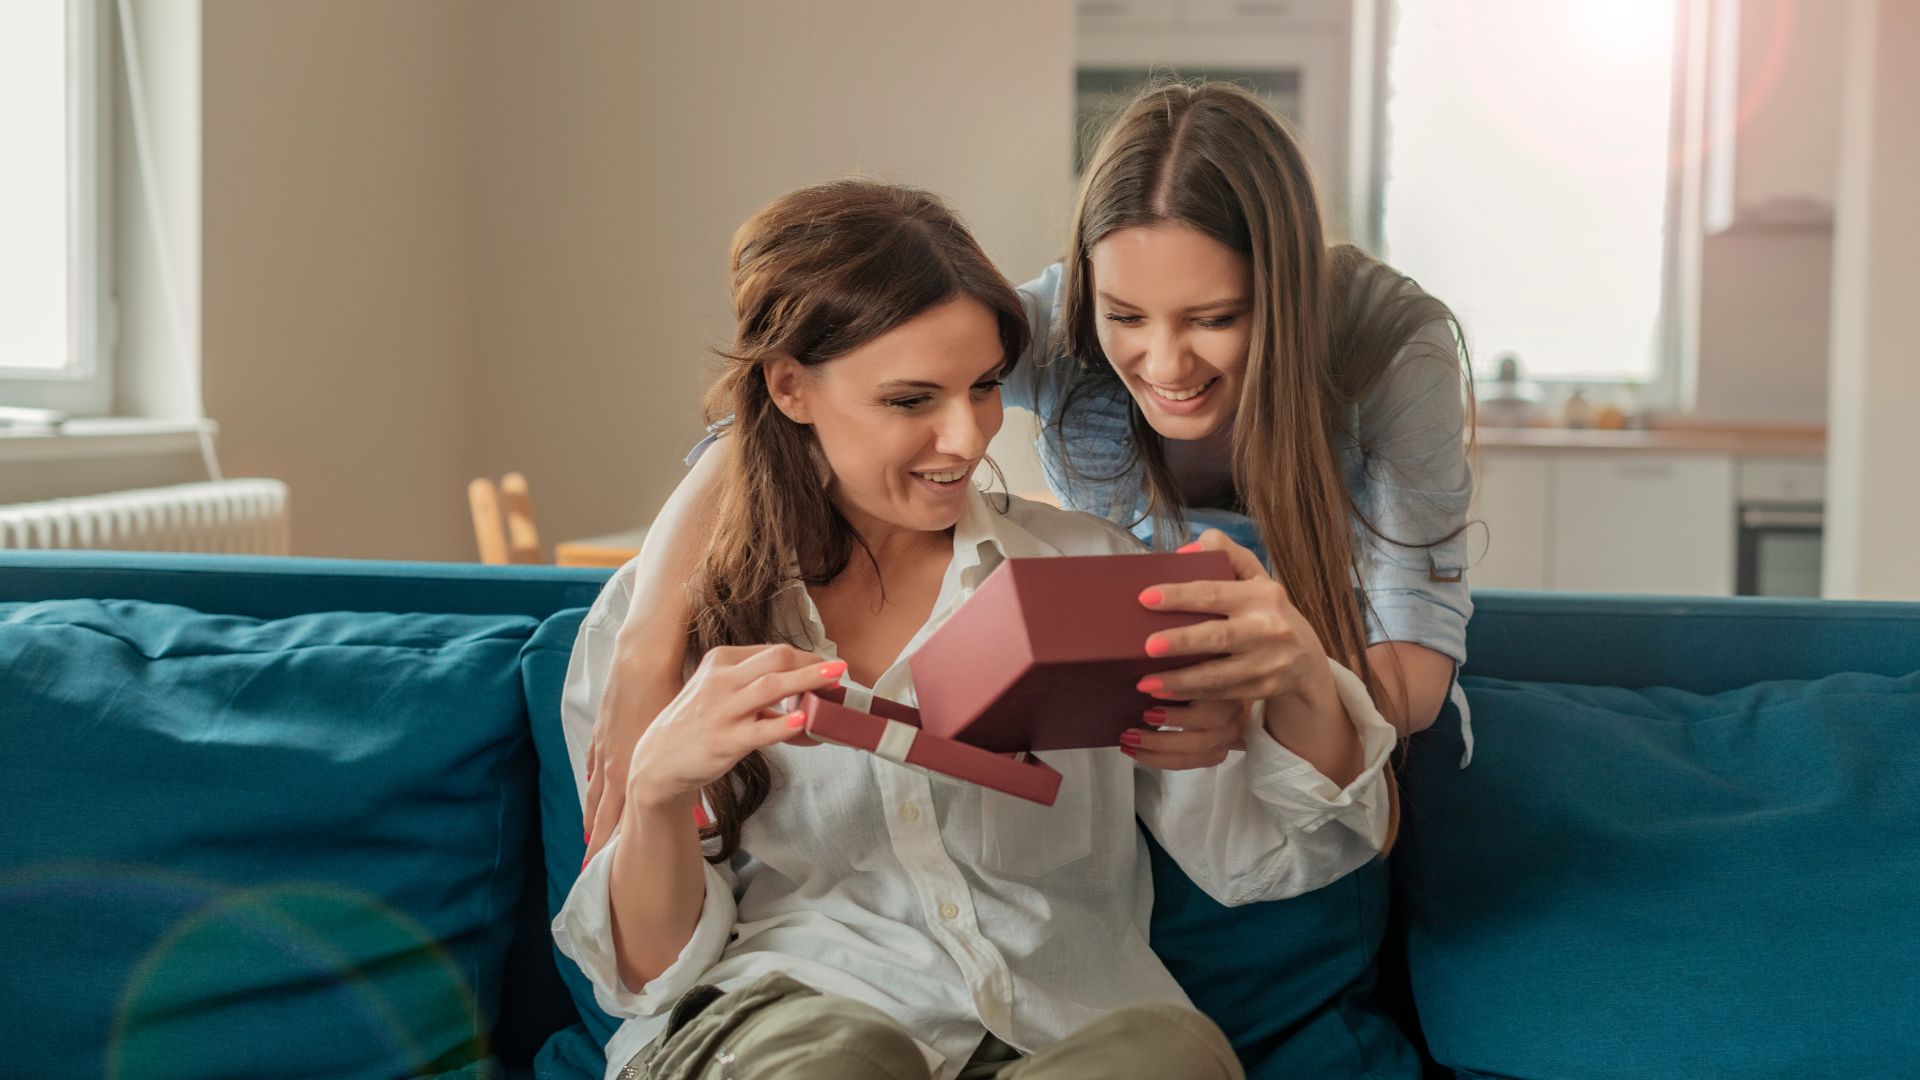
1045, 655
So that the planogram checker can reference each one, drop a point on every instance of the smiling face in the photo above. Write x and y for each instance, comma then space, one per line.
905, 418
1172, 309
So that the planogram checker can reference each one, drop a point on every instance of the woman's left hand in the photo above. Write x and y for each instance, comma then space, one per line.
1270, 649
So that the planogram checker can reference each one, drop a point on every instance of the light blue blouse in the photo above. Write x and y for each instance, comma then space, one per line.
1402, 453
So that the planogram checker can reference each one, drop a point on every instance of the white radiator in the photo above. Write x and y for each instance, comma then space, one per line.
246, 517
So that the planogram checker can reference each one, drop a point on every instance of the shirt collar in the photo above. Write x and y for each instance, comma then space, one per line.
983, 538
986, 535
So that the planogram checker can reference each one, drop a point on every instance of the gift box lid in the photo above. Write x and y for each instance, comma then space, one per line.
1046, 653
893, 731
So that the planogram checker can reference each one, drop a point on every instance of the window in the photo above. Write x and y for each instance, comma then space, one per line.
1526, 178
53, 265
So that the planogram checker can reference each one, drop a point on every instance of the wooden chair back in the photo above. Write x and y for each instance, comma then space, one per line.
503, 520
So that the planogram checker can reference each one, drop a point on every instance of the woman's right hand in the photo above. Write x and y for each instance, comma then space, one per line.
727, 710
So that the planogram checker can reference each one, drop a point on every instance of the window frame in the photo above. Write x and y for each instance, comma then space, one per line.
83, 384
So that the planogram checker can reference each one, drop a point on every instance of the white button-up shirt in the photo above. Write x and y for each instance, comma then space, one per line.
954, 909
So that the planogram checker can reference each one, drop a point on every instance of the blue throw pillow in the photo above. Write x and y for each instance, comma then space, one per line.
1659, 883
1289, 981
244, 848
562, 832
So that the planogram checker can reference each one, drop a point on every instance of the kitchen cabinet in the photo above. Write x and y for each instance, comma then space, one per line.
1296, 55
1774, 85
1122, 15
1644, 523
1630, 521
1508, 542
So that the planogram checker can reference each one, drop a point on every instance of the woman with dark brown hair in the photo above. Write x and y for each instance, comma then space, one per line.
833, 913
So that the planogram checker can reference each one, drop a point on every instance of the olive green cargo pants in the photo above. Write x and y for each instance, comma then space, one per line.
779, 1028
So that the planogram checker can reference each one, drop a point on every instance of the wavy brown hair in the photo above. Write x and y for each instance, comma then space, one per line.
816, 274
1326, 323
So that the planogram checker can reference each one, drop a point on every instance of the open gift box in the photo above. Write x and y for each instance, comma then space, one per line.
1045, 655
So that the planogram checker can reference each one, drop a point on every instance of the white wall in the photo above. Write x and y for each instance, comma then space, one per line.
448, 239
620, 145
1872, 546
1764, 283
1764, 325
339, 292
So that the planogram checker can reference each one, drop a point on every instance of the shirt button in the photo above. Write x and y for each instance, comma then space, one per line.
910, 812
949, 911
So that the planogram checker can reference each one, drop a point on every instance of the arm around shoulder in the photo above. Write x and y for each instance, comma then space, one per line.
649, 649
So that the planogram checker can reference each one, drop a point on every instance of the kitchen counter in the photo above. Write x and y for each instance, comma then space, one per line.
1742, 440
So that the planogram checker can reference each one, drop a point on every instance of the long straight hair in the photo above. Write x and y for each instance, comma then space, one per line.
816, 274
1325, 326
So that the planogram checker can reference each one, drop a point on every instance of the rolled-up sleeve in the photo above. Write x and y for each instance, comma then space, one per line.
1266, 824
584, 932
1416, 491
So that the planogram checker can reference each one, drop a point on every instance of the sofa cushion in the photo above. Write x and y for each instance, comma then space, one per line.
241, 848
562, 830
1289, 981
1663, 883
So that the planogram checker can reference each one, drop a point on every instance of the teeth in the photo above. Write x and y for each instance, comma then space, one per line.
1183, 395
945, 477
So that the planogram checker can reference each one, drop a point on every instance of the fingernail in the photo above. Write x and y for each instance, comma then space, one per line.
1152, 684
797, 720
1130, 751
1157, 646
1130, 737
1155, 716
588, 837
833, 669
1190, 548
1151, 597
583, 864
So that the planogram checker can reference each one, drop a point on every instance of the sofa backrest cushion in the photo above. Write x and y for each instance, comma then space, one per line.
244, 847
1666, 883
562, 830
1289, 981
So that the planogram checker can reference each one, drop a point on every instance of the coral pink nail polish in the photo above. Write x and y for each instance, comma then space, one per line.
1190, 548
833, 669
1158, 647
1152, 684
1151, 597
797, 720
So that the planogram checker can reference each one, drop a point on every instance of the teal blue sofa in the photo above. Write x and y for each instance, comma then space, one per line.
310, 818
